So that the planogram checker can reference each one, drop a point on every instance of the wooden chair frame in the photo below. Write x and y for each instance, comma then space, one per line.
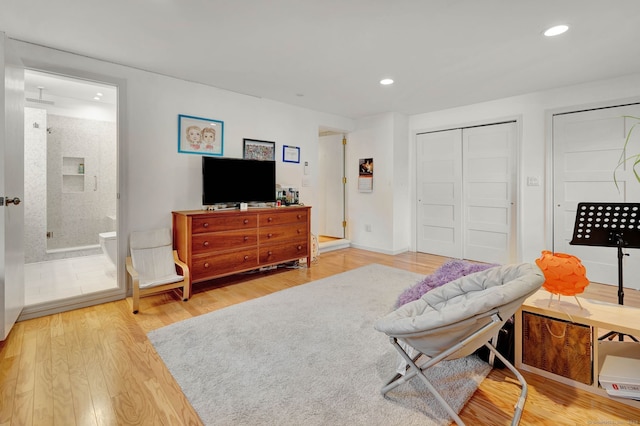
141, 292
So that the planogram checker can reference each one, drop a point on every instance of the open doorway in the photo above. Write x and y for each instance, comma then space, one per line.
70, 188
331, 213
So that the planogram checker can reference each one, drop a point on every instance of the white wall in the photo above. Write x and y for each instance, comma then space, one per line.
533, 112
385, 210
156, 179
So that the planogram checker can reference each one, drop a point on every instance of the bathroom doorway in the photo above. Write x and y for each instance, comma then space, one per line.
70, 188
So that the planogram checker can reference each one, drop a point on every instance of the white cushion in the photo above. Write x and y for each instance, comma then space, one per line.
152, 257
146, 283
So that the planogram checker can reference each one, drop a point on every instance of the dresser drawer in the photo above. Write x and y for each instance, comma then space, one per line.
283, 252
278, 234
226, 240
210, 266
223, 223
281, 216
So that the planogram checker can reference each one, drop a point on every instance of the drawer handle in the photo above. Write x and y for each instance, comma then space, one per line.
205, 225
206, 244
269, 235
299, 247
299, 231
246, 221
246, 257
269, 219
206, 264
246, 238
269, 253
299, 216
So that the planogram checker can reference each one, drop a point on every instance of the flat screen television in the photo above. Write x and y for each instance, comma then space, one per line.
231, 181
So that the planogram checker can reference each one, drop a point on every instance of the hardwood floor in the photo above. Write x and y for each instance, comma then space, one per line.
95, 366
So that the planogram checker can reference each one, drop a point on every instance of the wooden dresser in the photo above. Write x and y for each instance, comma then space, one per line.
218, 243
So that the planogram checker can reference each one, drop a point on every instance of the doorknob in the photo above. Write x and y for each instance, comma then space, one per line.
15, 201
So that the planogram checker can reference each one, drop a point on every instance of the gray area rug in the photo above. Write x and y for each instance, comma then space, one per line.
309, 355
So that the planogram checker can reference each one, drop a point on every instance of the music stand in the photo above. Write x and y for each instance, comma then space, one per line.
609, 225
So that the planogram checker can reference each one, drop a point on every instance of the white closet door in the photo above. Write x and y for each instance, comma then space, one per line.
489, 193
439, 175
586, 149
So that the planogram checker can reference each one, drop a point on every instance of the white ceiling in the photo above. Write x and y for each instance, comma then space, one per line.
329, 55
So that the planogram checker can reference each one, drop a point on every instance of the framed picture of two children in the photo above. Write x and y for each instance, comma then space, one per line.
197, 135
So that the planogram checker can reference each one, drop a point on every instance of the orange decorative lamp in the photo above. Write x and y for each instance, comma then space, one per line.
564, 274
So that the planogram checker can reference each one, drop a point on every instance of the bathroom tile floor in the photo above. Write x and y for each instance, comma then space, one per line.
59, 279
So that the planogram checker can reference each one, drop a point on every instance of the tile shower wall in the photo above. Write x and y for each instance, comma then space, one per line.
35, 184
74, 214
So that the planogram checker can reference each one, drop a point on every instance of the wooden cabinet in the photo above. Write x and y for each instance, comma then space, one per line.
218, 243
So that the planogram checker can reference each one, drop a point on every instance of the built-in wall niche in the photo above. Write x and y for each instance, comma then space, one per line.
72, 174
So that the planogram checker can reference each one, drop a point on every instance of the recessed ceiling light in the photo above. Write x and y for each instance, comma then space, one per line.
557, 30
97, 98
386, 81
98, 94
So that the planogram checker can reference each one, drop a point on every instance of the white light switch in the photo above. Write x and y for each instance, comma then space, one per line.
533, 181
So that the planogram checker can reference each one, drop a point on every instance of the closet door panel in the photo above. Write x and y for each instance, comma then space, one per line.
439, 185
489, 193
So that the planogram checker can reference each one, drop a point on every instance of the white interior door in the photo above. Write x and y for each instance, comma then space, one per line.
439, 183
489, 177
586, 148
11, 188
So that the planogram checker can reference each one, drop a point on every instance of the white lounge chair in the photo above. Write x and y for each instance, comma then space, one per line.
152, 265
454, 320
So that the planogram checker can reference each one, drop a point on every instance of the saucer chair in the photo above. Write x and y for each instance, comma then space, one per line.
152, 265
454, 320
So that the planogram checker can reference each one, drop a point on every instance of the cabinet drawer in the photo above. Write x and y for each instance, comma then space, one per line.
214, 265
277, 234
227, 240
223, 223
283, 252
280, 217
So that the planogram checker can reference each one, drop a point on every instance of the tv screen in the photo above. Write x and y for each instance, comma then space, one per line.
235, 180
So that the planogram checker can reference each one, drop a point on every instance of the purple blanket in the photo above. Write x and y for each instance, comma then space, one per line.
448, 272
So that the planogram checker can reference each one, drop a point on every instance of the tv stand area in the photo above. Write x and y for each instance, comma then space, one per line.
224, 242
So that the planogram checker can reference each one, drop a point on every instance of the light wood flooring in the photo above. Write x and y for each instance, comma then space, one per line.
95, 366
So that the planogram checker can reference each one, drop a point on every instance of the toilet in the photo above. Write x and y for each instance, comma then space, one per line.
109, 244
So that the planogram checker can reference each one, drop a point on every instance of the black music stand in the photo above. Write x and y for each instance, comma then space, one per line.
609, 225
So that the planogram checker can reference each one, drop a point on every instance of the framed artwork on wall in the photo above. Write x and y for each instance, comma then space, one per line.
365, 175
290, 154
254, 149
197, 135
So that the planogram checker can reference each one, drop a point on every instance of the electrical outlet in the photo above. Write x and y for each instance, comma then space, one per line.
367, 228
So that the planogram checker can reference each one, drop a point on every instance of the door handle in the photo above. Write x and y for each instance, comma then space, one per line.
6, 201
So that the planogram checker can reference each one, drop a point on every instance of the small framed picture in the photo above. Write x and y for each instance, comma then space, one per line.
259, 150
365, 175
197, 135
290, 154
